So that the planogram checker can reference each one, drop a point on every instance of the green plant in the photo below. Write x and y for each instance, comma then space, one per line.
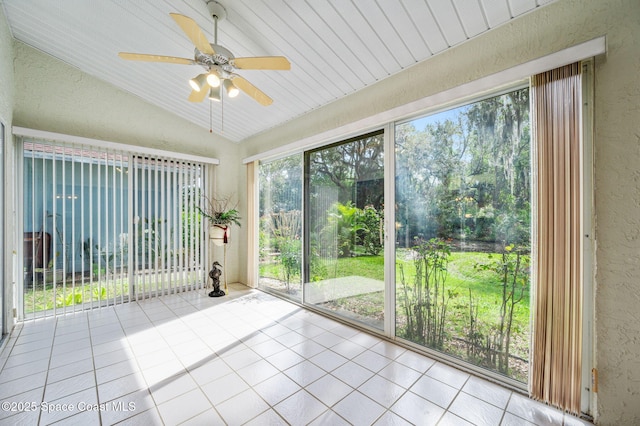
150, 242
70, 298
474, 336
285, 228
372, 237
317, 268
109, 256
343, 220
426, 300
220, 211
512, 271
100, 293
290, 257
190, 222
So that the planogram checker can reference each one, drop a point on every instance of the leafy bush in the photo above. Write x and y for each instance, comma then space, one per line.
512, 227
371, 233
354, 227
343, 221
280, 235
485, 221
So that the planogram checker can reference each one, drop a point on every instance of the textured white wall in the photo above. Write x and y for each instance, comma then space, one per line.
55, 97
557, 26
6, 70
7, 91
617, 203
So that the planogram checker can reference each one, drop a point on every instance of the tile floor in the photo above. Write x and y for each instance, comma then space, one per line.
248, 358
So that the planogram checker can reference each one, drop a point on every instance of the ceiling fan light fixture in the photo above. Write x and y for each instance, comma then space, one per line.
214, 94
212, 79
232, 90
198, 83
218, 62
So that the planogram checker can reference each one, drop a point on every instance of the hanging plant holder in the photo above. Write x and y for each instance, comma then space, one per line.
220, 234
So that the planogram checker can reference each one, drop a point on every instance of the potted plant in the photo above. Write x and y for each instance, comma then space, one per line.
221, 214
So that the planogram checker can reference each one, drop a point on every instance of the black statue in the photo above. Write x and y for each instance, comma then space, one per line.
215, 274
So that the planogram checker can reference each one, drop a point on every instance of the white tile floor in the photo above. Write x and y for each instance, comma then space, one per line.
247, 358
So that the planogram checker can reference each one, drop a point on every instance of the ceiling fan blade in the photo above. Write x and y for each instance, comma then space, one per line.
252, 90
262, 63
193, 31
155, 58
198, 96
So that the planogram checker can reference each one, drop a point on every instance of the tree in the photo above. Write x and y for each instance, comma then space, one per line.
348, 167
475, 161
281, 185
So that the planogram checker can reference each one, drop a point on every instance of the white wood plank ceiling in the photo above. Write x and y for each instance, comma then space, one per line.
335, 47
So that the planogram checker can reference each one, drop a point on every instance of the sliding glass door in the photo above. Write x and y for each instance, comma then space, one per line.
280, 268
460, 265
103, 226
455, 275
344, 193
463, 227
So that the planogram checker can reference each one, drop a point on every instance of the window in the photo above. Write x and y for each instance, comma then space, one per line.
280, 231
459, 283
463, 227
344, 196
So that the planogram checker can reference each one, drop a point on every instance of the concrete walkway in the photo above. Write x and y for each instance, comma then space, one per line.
338, 288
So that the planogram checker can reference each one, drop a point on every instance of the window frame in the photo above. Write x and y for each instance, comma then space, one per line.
458, 362
493, 83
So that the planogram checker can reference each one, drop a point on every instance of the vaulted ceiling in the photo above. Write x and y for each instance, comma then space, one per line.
335, 47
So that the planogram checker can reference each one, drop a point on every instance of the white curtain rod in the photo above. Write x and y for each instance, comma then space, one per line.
60, 137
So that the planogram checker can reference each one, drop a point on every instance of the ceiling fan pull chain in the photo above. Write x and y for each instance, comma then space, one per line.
210, 117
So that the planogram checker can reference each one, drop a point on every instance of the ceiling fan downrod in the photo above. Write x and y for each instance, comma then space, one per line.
215, 29
217, 12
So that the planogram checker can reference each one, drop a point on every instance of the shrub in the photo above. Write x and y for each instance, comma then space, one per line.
426, 300
371, 232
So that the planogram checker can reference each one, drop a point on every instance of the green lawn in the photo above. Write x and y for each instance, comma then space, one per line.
80, 293
462, 278
461, 275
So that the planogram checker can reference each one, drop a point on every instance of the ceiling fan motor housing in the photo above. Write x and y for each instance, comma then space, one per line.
221, 59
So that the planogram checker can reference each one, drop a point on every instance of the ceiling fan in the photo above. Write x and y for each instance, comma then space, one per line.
219, 63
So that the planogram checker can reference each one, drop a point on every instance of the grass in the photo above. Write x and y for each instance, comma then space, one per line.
462, 277
364, 266
69, 292
83, 292
485, 287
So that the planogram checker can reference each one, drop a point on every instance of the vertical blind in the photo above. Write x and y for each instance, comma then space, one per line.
102, 227
557, 342
253, 228
168, 232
